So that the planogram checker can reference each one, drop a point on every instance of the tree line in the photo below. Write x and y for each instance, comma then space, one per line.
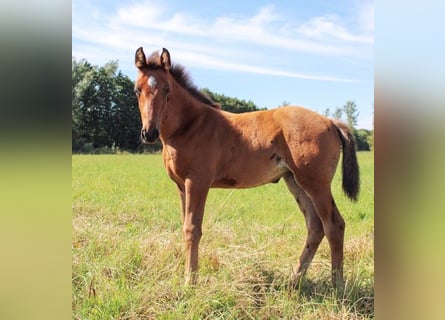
105, 114
364, 138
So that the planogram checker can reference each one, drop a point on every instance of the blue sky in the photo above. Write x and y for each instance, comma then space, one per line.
317, 54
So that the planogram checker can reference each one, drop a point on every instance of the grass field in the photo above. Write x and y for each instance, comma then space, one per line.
127, 259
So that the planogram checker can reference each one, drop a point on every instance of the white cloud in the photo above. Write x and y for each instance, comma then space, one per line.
260, 30
153, 17
328, 27
138, 15
265, 15
214, 63
214, 43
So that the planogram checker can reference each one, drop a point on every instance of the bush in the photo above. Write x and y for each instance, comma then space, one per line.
362, 139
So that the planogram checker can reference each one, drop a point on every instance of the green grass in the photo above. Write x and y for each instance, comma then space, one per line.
127, 251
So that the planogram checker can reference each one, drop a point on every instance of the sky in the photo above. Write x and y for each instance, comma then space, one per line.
318, 54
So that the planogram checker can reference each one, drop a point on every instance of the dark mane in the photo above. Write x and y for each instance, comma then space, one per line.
184, 80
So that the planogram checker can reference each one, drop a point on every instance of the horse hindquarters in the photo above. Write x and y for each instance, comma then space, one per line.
312, 171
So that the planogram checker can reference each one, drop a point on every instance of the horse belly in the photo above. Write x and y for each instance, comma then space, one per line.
251, 174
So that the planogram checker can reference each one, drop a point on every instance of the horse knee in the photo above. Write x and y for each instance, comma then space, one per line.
315, 228
315, 235
192, 233
342, 225
339, 223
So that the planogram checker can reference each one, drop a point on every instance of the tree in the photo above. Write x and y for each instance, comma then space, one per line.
231, 104
364, 139
361, 137
284, 103
104, 108
83, 74
327, 112
338, 113
125, 115
351, 112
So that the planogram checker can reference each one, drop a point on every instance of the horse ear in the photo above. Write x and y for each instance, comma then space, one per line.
165, 59
140, 60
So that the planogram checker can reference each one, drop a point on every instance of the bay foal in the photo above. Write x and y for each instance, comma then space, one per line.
205, 147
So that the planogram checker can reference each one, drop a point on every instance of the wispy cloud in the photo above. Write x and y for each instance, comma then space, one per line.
151, 24
265, 27
214, 63
327, 27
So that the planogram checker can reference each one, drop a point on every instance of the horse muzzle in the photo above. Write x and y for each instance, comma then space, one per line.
149, 136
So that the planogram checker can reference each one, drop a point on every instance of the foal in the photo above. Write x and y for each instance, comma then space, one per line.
205, 147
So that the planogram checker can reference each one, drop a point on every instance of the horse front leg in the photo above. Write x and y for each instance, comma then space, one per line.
181, 193
195, 198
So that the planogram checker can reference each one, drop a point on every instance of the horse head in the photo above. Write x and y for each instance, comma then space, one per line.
152, 89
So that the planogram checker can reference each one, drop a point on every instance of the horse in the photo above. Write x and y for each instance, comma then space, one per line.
205, 147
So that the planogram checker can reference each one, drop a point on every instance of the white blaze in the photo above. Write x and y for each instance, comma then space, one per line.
151, 82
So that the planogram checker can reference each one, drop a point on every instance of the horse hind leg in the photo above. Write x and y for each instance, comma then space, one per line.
334, 229
315, 232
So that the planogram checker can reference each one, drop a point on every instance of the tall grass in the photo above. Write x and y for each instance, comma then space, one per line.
127, 252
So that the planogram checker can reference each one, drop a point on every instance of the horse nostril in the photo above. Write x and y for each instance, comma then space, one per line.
143, 135
149, 136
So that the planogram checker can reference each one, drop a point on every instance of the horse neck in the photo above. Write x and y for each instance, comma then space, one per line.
181, 110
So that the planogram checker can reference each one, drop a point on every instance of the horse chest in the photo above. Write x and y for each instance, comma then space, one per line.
171, 162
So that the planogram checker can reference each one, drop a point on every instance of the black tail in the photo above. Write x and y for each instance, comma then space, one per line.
350, 169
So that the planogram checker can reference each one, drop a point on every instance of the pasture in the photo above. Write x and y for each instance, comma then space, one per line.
127, 249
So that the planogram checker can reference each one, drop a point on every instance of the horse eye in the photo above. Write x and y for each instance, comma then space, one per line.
137, 91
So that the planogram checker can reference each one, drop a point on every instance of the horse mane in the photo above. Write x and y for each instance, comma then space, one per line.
183, 78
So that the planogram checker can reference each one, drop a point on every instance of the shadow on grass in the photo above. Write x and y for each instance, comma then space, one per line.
357, 295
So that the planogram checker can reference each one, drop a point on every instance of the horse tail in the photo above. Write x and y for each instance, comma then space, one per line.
350, 169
